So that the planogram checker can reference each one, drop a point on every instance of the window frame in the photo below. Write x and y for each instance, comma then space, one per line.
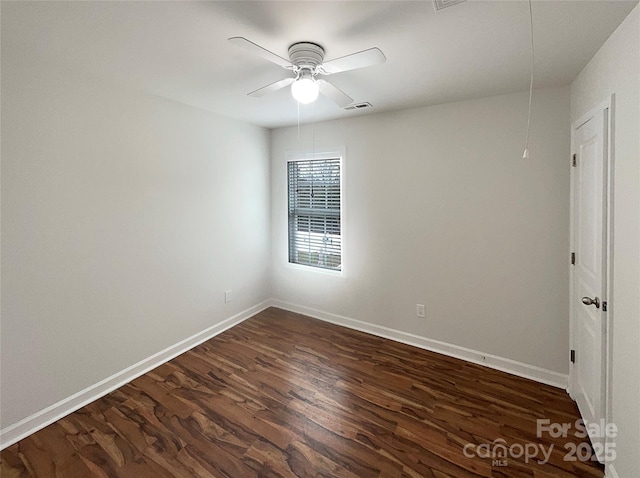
295, 156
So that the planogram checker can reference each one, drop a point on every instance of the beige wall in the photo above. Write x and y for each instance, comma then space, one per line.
124, 218
441, 210
615, 69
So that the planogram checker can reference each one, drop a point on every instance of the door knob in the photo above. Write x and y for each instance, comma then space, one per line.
589, 301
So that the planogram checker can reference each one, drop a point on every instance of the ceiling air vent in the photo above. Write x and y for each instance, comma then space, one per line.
440, 4
358, 106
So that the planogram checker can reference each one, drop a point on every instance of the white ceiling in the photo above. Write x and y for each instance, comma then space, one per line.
179, 50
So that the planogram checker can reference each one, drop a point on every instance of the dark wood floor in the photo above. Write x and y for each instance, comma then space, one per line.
285, 395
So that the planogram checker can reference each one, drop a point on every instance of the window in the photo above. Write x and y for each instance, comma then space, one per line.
315, 231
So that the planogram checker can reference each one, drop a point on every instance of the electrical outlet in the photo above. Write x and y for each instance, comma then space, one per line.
420, 310
227, 296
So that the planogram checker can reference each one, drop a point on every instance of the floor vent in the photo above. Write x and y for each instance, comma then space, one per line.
358, 106
440, 4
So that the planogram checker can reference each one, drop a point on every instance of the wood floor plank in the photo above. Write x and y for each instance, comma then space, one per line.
284, 395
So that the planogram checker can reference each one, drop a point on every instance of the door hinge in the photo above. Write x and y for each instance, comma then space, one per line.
573, 356
604, 306
574, 161
573, 258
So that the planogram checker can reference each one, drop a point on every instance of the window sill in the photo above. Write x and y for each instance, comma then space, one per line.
315, 270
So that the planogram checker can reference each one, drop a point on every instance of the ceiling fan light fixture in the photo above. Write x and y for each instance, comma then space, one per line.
306, 60
305, 90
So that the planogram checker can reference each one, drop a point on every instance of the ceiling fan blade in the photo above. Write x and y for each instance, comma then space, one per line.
261, 52
334, 94
372, 56
271, 88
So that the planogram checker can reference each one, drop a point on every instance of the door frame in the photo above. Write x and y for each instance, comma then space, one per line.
607, 256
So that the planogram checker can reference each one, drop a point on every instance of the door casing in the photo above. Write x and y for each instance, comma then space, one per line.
608, 296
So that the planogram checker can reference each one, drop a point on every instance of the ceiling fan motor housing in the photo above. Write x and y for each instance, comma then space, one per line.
306, 55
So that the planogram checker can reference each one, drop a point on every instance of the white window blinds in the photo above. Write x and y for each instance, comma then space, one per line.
314, 213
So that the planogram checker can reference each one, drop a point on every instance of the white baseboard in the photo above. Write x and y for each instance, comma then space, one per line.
513, 367
39, 420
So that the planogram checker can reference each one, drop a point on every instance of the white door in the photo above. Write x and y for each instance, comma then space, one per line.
589, 301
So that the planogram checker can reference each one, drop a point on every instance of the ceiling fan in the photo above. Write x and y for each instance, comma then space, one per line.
306, 61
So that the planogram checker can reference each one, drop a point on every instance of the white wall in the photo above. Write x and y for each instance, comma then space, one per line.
441, 210
124, 218
615, 69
